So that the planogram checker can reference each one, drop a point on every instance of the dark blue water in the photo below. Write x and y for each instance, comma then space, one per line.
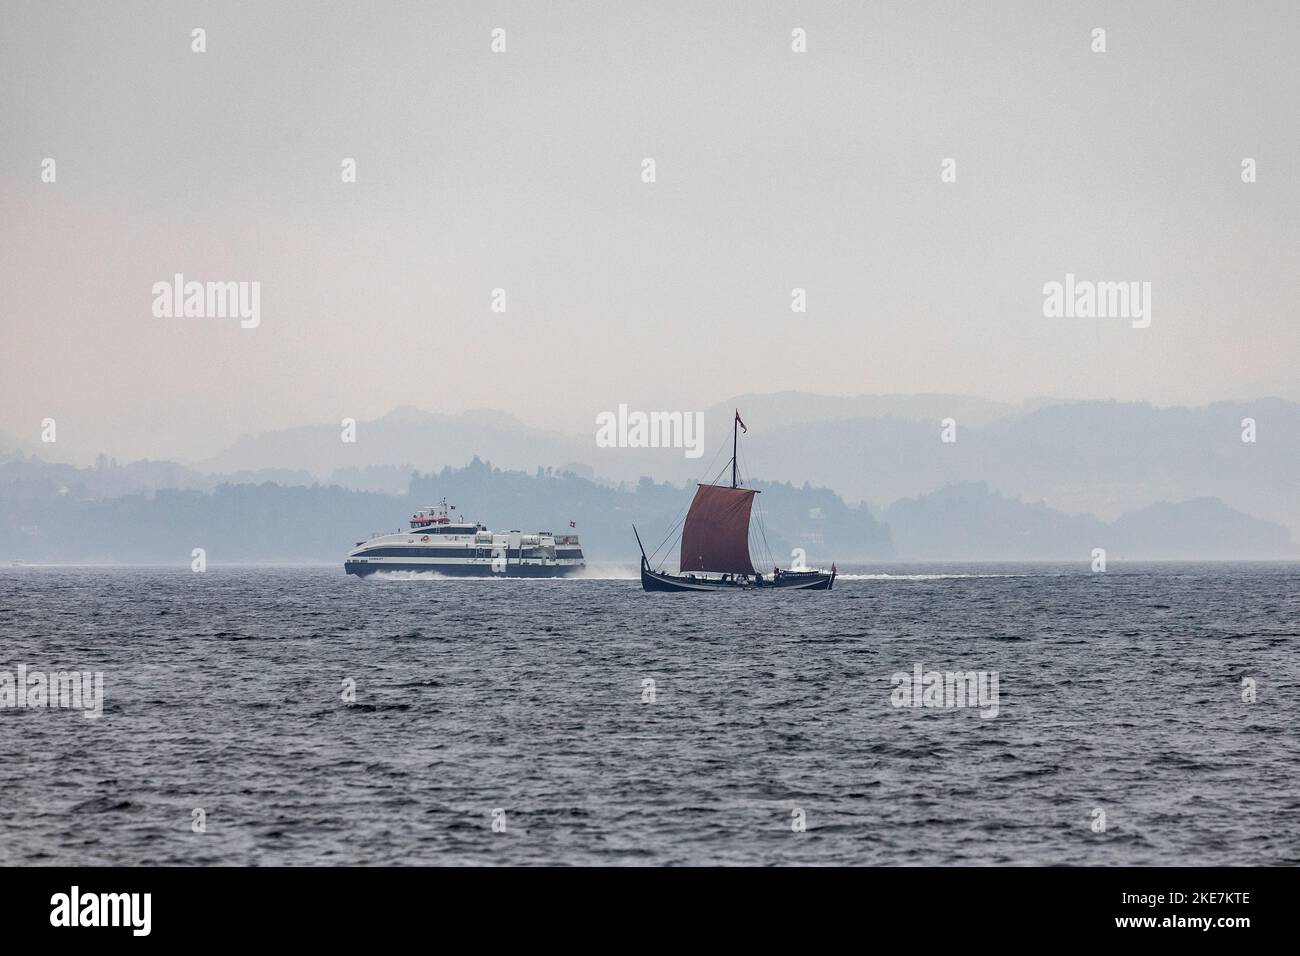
1120, 692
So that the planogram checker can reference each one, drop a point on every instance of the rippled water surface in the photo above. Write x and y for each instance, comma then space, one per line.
1120, 692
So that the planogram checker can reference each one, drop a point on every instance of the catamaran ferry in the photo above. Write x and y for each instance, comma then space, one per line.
439, 542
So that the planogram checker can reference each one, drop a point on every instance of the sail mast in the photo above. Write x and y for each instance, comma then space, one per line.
715, 536
735, 423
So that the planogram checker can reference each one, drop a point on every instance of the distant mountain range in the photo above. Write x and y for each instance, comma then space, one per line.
44, 518
861, 477
969, 522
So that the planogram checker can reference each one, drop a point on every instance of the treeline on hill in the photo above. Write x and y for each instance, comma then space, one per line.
48, 521
57, 513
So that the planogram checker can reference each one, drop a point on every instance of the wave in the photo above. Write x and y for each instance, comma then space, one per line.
917, 577
617, 572
606, 572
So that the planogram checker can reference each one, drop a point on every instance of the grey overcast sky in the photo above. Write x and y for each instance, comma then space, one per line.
522, 170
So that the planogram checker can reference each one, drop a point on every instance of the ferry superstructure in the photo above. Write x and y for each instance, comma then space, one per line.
440, 540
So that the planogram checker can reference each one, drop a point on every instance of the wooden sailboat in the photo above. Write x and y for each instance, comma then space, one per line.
715, 540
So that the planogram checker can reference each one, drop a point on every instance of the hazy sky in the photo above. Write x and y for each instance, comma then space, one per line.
523, 170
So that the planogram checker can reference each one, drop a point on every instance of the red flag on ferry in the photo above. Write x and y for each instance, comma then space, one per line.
741, 423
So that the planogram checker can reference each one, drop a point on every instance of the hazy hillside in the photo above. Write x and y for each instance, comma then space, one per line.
269, 522
779, 410
970, 522
405, 436
1041, 480
32, 476
1099, 458
54, 513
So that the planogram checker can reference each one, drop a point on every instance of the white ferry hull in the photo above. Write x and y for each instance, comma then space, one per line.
464, 549
366, 566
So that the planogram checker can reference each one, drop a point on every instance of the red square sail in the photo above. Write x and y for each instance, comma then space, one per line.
716, 534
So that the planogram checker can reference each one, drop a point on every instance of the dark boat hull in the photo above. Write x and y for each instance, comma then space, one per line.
787, 581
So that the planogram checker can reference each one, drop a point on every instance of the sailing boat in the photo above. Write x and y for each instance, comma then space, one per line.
715, 539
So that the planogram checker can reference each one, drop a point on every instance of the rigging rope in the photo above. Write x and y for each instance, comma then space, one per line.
674, 532
761, 524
